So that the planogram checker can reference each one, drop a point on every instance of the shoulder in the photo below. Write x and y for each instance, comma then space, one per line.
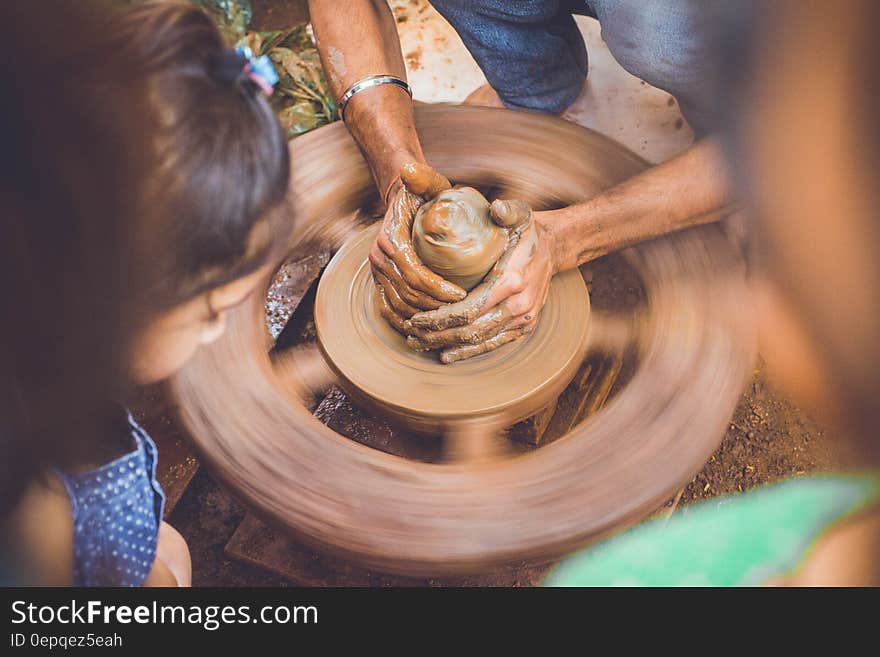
742, 539
42, 528
846, 555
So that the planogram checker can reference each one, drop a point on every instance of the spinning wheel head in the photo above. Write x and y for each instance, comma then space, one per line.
696, 348
376, 367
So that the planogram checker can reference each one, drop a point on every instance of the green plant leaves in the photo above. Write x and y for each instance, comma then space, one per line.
302, 98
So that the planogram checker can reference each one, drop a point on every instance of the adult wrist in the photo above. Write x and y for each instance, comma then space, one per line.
576, 234
548, 232
387, 173
370, 82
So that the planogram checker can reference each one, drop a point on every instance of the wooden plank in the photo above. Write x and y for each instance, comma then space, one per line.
585, 395
260, 545
532, 429
339, 413
291, 298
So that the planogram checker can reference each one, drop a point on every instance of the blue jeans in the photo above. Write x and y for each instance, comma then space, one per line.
533, 55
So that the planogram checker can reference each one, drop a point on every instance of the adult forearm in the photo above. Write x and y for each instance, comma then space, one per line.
357, 39
691, 189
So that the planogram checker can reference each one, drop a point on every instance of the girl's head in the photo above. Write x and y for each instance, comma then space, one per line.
213, 217
141, 176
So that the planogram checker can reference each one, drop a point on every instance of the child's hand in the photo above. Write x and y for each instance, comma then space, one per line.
173, 566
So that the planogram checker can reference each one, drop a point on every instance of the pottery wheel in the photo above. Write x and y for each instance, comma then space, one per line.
376, 367
694, 344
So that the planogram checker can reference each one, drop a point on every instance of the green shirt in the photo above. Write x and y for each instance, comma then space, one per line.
741, 539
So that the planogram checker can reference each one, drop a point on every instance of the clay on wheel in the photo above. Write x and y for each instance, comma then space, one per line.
416, 390
454, 235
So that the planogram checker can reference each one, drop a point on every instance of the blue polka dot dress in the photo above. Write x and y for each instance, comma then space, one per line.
117, 510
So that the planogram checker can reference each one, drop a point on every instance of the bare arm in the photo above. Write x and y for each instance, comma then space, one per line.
691, 189
41, 533
688, 190
172, 565
355, 41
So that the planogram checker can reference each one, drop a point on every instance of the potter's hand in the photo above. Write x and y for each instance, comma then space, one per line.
505, 305
406, 286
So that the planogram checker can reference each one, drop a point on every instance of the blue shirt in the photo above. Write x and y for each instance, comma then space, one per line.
117, 510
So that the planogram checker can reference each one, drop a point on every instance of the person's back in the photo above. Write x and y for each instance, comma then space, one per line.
810, 175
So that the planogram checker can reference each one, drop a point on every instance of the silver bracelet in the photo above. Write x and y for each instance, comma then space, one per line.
367, 83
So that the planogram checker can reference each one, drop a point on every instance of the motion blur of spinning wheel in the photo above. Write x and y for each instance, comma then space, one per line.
481, 504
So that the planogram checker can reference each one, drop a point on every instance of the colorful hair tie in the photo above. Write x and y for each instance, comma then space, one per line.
259, 70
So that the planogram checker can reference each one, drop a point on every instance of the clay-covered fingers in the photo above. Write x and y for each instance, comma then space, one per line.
515, 316
483, 328
388, 312
490, 331
399, 217
387, 275
391, 296
422, 180
511, 213
496, 287
395, 242
463, 352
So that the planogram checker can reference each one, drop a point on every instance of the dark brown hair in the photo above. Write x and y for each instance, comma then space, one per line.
222, 162
139, 167
72, 160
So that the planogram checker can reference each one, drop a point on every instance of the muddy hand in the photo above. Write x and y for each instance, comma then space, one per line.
405, 285
505, 305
